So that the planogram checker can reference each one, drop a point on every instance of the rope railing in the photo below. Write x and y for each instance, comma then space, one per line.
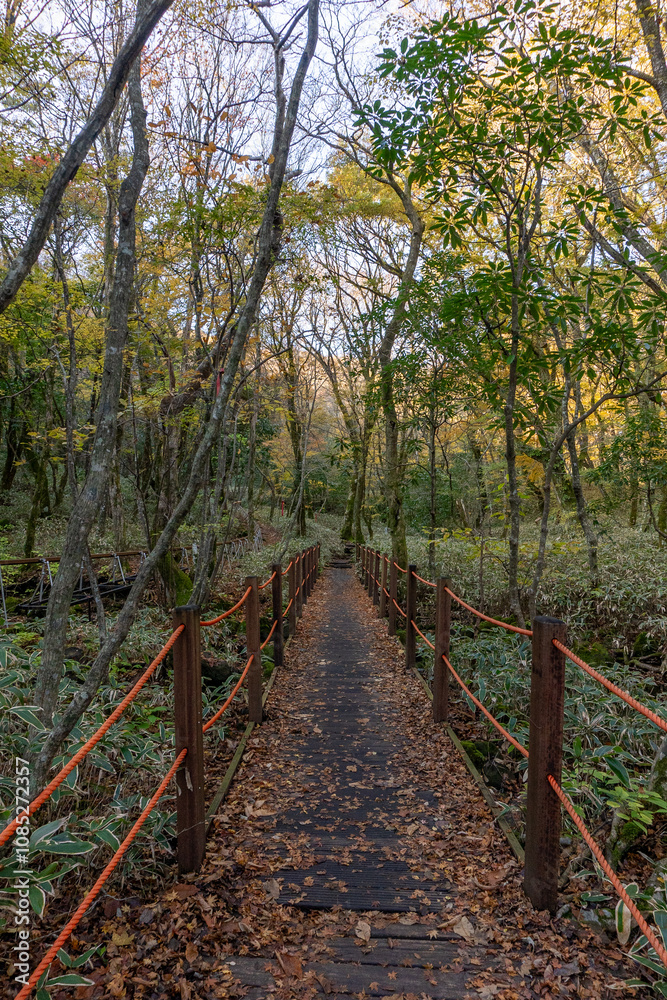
659, 948
186, 667
288, 567
493, 621
266, 641
399, 608
419, 632
94, 739
545, 797
501, 729
214, 718
619, 692
226, 614
73, 922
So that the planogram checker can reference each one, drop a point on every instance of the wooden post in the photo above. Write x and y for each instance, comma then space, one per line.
383, 588
411, 609
252, 647
443, 617
299, 585
364, 553
291, 580
305, 562
393, 591
311, 569
371, 561
543, 814
277, 600
376, 581
190, 807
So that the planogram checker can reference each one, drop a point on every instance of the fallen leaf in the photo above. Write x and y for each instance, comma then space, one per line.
122, 938
191, 951
290, 964
363, 930
272, 888
465, 929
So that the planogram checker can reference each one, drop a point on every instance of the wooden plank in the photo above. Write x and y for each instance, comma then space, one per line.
483, 787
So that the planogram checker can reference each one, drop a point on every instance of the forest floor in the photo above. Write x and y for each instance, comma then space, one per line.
353, 857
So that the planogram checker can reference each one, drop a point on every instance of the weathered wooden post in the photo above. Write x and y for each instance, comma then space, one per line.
277, 602
291, 580
411, 609
306, 569
252, 639
545, 741
393, 592
299, 585
371, 562
362, 576
383, 589
190, 807
443, 617
376, 579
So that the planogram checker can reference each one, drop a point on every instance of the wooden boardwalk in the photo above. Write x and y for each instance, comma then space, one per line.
359, 828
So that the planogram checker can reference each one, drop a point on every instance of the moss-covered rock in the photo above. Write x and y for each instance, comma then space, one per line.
477, 756
596, 654
646, 645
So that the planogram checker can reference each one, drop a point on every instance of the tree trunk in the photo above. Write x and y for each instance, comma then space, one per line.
432, 498
69, 164
582, 513
87, 505
268, 243
514, 501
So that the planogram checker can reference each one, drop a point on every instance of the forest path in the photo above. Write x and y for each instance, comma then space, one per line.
363, 860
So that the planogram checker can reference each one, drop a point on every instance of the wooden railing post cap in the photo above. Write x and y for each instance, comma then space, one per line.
184, 608
547, 620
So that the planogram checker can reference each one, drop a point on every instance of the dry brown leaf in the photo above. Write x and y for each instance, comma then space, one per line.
465, 929
122, 938
290, 964
363, 930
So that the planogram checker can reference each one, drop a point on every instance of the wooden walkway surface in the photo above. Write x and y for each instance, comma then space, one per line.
366, 828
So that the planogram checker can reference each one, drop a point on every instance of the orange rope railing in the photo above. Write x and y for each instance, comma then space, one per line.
226, 614
207, 725
493, 621
422, 580
291, 602
417, 629
267, 582
400, 568
619, 692
94, 739
501, 729
399, 608
90, 896
659, 949
273, 628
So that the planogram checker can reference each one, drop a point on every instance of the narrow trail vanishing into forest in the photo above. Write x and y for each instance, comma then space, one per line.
354, 855
363, 860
